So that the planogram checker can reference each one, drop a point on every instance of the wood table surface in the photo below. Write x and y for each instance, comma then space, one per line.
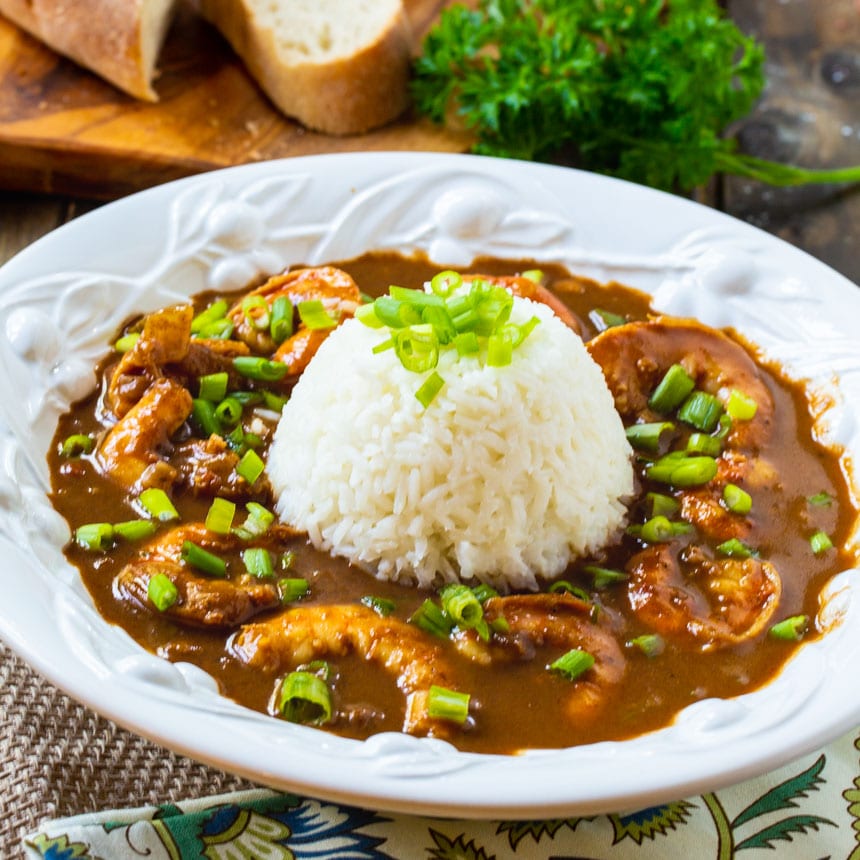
810, 115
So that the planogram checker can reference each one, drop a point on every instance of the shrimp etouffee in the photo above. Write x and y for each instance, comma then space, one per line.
738, 519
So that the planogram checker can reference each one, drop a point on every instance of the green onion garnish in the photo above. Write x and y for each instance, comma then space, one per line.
429, 389
158, 505
646, 437
660, 529
432, 619
738, 501
380, 605
602, 319
274, 401
219, 518
261, 369
445, 704
76, 445
251, 466
679, 470
820, 500
417, 347
500, 350
258, 521
258, 562
467, 343
367, 314
213, 386
291, 589
791, 629
740, 406
603, 577
304, 698
734, 548
484, 592
281, 323
673, 389
229, 412
255, 309
702, 443
461, 605
701, 410
314, 315
203, 415
662, 505
212, 316
161, 591
126, 342
202, 559
573, 664
445, 283
820, 542
135, 529
650, 644
94, 536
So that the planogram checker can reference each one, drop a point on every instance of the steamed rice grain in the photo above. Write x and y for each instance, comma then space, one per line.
509, 474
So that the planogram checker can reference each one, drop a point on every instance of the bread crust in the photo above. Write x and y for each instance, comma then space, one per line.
342, 96
116, 39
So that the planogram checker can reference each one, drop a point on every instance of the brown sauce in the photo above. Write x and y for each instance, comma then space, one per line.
516, 704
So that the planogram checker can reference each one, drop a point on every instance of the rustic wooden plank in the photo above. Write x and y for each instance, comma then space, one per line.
26, 217
809, 115
64, 130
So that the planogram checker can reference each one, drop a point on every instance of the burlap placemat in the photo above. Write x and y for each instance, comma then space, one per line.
58, 758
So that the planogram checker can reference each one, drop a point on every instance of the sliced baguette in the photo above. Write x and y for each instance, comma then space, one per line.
337, 66
119, 40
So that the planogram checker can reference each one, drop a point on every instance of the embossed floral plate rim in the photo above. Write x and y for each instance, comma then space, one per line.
63, 298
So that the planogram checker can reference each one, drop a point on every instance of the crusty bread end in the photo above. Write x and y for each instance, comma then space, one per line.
119, 40
338, 66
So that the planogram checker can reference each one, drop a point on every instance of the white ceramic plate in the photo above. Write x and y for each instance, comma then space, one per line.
63, 298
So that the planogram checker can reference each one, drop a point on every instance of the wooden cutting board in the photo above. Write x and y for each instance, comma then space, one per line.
64, 130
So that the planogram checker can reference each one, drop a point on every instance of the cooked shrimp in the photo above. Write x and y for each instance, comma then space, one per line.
307, 633
558, 621
131, 452
702, 601
333, 287
526, 288
202, 600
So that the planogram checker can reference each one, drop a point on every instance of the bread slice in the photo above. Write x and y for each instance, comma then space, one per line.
117, 39
338, 66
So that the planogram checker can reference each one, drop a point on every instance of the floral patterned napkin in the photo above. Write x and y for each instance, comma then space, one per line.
809, 809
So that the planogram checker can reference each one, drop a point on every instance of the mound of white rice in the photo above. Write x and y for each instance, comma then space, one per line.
509, 474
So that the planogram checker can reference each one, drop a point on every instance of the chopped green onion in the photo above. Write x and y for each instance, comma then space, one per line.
466, 343
384, 346
445, 283
219, 329
94, 536
646, 437
157, 504
484, 592
535, 275
662, 505
367, 314
250, 467
429, 389
255, 309
202, 559
740, 406
314, 315
135, 529
417, 347
281, 322
219, 518
820, 542
603, 577
416, 298
461, 605
248, 398
562, 586
650, 644
659, 530
273, 401
500, 350
229, 412
291, 589
734, 548
673, 389
679, 470
126, 342
440, 321
254, 367
258, 521
724, 427
738, 501
258, 562
702, 443
304, 698
214, 314
573, 664
213, 386
161, 591
203, 415
445, 704
791, 629
603, 320
76, 445
395, 314
380, 605
820, 500
701, 410
432, 619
